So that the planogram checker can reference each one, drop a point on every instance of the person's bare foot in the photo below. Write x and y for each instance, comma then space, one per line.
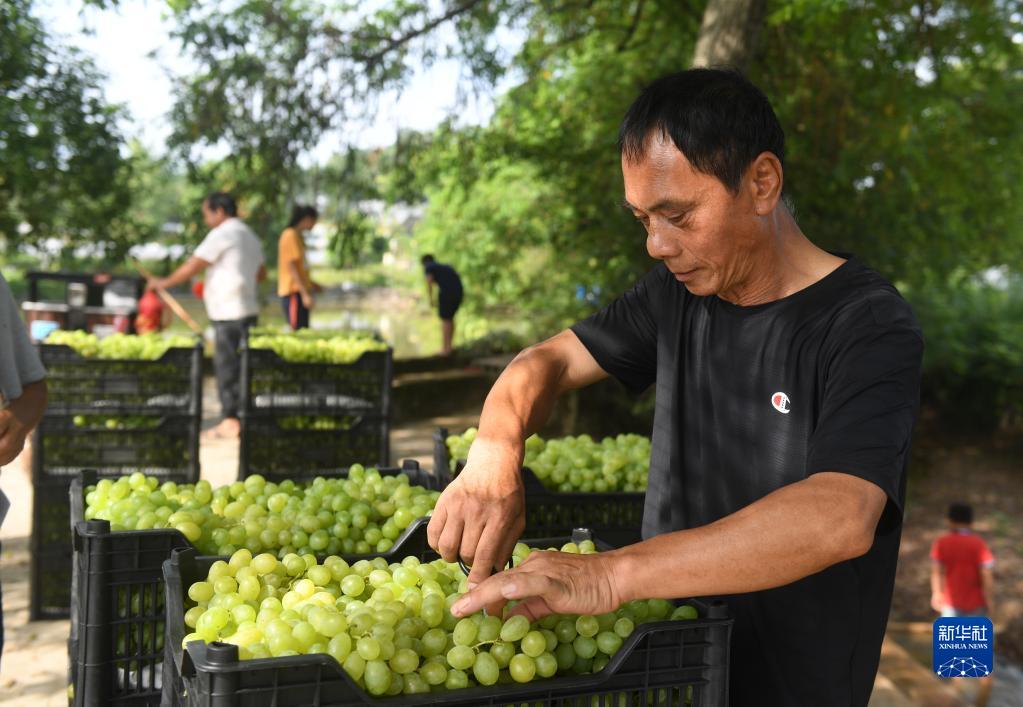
229, 428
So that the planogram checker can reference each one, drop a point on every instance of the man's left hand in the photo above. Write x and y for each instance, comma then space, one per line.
12, 437
548, 583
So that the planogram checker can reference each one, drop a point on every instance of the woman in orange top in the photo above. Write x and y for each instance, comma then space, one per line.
294, 286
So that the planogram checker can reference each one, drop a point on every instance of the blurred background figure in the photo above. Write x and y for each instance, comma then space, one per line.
232, 257
294, 285
962, 576
22, 392
449, 298
154, 316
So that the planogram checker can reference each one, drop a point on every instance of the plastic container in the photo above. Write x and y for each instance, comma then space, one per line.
271, 384
61, 450
280, 445
674, 663
615, 516
117, 630
170, 385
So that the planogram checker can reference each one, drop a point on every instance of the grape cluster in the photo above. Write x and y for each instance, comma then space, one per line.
361, 514
390, 627
116, 422
143, 347
570, 464
337, 348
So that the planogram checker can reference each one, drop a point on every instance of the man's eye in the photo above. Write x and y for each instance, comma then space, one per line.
679, 221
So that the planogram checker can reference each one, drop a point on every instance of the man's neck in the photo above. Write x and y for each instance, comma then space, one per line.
786, 263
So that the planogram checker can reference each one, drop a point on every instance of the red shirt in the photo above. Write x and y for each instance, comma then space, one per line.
962, 554
150, 316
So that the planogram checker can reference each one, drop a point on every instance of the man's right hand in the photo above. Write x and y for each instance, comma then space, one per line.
307, 300
481, 515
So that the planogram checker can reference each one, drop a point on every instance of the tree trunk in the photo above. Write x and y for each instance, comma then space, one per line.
729, 33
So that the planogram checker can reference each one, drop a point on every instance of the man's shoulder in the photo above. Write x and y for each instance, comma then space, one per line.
868, 299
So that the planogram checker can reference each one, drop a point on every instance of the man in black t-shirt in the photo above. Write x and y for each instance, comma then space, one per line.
449, 296
787, 385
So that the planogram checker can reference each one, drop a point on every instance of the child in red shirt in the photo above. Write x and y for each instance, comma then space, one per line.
961, 574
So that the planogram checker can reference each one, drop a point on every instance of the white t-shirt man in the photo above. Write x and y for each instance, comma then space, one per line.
235, 256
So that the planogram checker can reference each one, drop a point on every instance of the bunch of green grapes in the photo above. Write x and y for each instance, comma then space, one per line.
390, 627
126, 347
361, 514
116, 422
339, 348
571, 464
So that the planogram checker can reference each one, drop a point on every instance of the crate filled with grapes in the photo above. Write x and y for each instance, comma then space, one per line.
119, 404
316, 374
572, 482
122, 374
259, 630
280, 445
126, 528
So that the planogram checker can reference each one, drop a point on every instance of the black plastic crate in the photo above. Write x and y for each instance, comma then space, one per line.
171, 384
61, 450
615, 516
667, 663
117, 609
164, 446
276, 447
269, 383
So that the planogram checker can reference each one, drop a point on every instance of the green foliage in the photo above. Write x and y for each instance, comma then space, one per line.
63, 173
917, 175
353, 232
973, 357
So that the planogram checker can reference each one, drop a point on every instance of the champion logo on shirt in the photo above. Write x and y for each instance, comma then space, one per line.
781, 403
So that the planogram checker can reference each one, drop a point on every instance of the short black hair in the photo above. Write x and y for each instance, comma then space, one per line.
717, 118
960, 513
221, 201
426, 259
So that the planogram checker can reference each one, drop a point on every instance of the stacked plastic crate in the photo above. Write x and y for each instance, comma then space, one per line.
114, 416
313, 417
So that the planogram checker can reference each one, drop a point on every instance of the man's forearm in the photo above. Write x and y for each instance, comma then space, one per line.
29, 407
792, 533
521, 399
189, 269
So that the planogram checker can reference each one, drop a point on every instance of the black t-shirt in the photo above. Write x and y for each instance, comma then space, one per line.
750, 399
446, 278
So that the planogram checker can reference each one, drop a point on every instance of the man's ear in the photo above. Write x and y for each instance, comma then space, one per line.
764, 181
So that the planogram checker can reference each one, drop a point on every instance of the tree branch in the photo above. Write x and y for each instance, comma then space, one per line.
396, 42
636, 17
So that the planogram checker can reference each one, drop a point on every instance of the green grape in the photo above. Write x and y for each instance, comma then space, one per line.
377, 677
489, 629
461, 657
534, 643
502, 653
587, 626
585, 647
485, 669
522, 668
686, 612
624, 627
368, 647
546, 665
565, 631
457, 680
514, 628
608, 642
404, 661
433, 673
